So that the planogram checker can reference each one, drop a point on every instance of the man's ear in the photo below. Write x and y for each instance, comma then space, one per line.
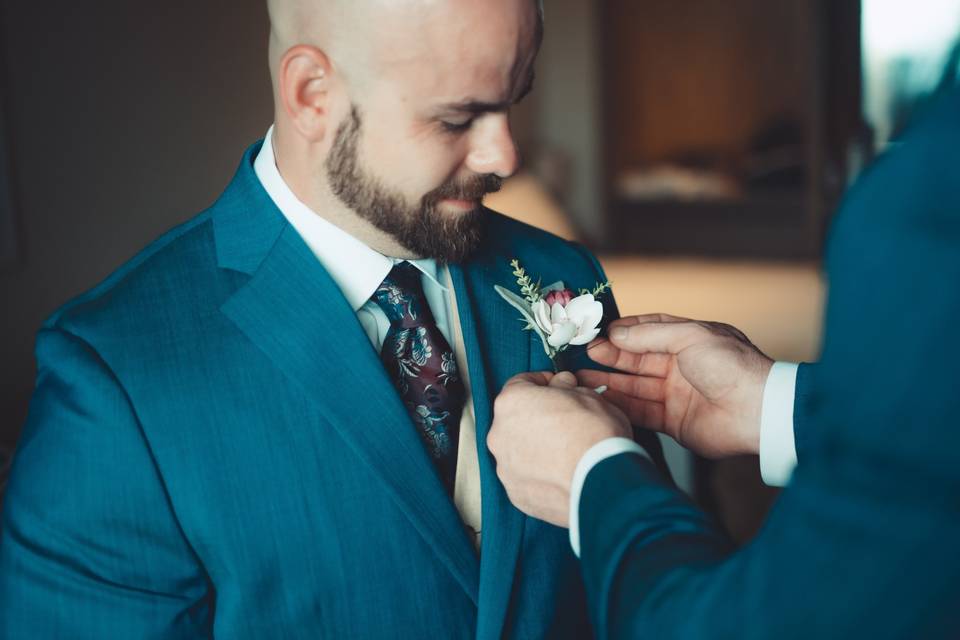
304, 83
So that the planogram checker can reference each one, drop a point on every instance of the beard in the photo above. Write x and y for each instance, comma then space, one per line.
422, 228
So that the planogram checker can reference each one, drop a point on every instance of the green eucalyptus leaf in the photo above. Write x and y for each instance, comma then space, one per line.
523, 307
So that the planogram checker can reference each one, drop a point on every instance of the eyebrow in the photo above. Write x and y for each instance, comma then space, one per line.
477, 107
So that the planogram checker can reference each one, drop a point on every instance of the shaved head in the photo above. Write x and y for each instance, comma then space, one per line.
329, 25
351, 32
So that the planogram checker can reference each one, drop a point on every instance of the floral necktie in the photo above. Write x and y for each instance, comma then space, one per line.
421, 363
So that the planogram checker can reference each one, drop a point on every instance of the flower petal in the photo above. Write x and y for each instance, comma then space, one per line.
557, 314
562, 334
541, 311
585, 311
579, 306
584, 337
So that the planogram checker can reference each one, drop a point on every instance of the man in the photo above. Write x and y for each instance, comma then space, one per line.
865, 540
266, 425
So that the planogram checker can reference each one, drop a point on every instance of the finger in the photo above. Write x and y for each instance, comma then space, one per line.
640, 387
590, 392
593, 379
642, 413
564, 380
536, 378
630, 321
662, 318
670, 337
604, 352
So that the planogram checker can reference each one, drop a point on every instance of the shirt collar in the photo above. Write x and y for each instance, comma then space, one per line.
356, 268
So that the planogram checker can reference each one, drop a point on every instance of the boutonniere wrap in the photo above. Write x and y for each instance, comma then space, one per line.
560, 317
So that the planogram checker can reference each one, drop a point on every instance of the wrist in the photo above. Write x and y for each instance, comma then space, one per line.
754, 420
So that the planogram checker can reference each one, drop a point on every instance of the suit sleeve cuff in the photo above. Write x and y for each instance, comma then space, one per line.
778, 450
594, 456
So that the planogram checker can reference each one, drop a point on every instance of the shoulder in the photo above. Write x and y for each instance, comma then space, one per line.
170, 277
542, 253
507, 235
917, 173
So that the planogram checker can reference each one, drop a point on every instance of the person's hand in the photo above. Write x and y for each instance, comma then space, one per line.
542, 425
701, 383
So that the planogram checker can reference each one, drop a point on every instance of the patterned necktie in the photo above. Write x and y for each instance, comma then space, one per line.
421, 363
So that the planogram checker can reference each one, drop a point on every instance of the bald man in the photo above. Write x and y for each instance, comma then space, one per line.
271, 423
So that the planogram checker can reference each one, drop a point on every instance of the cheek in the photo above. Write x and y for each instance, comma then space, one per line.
412, 156
421, 166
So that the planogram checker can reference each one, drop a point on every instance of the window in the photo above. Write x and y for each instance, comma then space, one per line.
910, 51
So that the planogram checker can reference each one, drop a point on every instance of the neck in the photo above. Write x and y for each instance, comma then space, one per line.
361, 229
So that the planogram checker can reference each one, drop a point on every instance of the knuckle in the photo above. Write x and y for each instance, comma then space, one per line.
703, 331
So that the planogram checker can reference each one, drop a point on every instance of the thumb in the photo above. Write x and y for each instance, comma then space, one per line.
658, 337
535, 378
564, 380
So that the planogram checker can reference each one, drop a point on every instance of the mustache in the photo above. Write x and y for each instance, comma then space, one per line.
472, 188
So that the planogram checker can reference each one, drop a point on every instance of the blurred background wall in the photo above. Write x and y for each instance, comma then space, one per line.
123, 119
699, 146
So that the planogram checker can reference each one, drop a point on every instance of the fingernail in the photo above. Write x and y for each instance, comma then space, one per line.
618, 333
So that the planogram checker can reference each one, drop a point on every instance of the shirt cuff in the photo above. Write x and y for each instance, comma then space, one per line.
594, 456
778, 450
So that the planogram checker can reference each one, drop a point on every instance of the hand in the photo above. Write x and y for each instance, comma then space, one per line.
701, 383
542, 425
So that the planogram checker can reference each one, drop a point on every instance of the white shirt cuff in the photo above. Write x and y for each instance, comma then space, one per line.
778, 450
594, 456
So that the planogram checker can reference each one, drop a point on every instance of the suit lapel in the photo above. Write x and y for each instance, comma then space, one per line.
497, 348
292, 310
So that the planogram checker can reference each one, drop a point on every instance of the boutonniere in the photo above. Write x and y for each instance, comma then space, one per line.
559, 316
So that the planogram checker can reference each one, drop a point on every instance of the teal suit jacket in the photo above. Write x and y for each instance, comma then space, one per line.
865, 541
214, 448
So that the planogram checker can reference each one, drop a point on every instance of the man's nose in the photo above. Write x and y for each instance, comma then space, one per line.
494, 150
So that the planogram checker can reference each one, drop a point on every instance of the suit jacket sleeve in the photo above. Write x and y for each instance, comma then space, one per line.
849, 550
802, 409
89, 545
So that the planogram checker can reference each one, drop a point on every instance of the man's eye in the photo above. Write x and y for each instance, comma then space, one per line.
456, 127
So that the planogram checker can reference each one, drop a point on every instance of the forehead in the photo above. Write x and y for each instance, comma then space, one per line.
462, 49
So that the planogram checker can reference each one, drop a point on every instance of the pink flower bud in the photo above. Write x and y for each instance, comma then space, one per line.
563, 297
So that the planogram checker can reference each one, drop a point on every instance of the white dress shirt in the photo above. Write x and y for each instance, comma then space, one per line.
778, 451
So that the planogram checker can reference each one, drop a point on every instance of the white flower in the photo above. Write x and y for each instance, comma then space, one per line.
572, 324
554, 314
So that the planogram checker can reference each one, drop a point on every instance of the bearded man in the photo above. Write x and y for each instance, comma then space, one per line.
271, 422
